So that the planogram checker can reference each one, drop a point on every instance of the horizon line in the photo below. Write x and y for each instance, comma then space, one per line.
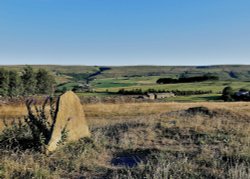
123, 65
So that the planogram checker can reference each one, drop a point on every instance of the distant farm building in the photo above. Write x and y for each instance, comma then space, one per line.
242, 93
153, 96
164, 95
82, 88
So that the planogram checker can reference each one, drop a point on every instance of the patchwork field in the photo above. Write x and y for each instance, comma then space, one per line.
142, 140
105, 81
112, 85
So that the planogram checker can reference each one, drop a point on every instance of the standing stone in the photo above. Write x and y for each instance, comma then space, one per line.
69, 117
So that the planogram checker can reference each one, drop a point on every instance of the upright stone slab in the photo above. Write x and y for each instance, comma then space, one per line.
69, 116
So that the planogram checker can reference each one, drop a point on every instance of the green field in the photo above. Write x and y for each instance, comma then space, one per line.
216, 86
145, 83
114, 78
195, 98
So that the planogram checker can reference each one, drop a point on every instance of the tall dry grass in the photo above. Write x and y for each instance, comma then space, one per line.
171, 143
103, 112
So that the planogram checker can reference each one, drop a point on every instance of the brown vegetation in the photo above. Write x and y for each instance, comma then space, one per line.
150, 140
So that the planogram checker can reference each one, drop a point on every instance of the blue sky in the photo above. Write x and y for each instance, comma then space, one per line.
125, 32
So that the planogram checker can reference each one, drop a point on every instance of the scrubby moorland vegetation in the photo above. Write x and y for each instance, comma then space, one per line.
146, 140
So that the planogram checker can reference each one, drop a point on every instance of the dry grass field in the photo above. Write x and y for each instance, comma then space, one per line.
143, 140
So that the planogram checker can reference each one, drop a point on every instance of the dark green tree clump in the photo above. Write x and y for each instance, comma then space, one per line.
45, 82
227, 94
29, 82
176, 92
4, 82
187, 79
15, 87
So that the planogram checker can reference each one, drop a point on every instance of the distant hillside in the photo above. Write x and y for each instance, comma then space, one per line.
57, 68
224, 72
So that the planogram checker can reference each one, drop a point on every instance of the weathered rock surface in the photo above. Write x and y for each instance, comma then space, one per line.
70, 118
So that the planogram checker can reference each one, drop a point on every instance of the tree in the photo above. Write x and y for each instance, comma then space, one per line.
15, 84
4, 82
45, 82
227, 94
29, 81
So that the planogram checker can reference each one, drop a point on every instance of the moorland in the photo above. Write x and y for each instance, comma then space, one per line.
186, 136
140, 140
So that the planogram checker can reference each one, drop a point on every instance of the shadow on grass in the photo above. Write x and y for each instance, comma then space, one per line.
132, 158
211, 98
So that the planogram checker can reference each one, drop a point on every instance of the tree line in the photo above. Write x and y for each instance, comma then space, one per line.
187, 79
28, 82
228, 94
176, 92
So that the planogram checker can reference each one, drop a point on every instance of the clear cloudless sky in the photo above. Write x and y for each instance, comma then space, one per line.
125, 32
